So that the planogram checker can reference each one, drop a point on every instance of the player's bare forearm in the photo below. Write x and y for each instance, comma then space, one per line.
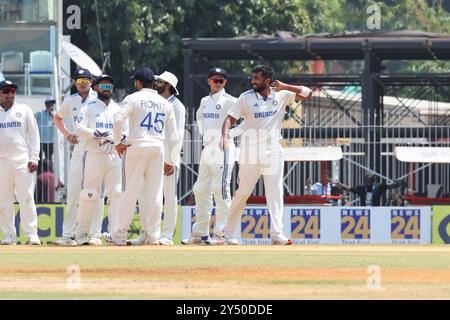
59, 122
229, 121
302, 92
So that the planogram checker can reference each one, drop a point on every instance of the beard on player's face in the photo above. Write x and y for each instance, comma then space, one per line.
259, 87
105, 94
160, 88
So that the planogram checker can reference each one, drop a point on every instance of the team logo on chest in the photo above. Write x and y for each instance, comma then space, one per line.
19, 115
256, 105
275, 102
218, 106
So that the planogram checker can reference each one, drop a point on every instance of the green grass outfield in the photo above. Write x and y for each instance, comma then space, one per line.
226, 272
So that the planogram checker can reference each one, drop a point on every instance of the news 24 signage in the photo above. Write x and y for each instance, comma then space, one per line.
332, 225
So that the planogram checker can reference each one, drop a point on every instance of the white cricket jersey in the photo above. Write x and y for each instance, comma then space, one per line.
151, 121
70, 109
211, 114
95, 115
262, 118
180, 118
19, 134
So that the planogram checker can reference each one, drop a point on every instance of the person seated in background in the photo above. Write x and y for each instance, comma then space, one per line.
398, 201
318, 189
45, 184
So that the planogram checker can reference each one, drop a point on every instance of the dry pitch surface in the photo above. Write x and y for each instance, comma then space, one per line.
228, 272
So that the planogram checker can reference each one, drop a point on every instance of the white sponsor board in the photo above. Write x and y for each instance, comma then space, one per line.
331, 225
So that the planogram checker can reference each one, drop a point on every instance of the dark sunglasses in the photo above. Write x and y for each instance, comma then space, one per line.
9, 90
218, 80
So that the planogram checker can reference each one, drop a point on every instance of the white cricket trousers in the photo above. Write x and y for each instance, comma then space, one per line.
216, 167
14, 176
169, 223
99, 169
270, 164
143, 170
73, 196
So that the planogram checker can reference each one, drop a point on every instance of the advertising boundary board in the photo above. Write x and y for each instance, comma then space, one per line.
331, 225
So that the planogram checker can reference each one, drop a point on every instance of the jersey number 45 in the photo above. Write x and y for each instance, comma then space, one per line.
157, 124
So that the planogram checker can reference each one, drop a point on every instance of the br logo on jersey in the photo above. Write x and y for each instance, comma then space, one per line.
275, 102
405, 224
256, 105
19, 115
355, 224
218, 106
305, 224
255, 224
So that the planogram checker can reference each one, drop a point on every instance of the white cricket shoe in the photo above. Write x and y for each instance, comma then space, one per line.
65, 242
216, 240
152, 242
231, 241
83, 241
95, 240
34, 241
139, 241
165, 242
9, 240
196, 240
108, 238
281, 240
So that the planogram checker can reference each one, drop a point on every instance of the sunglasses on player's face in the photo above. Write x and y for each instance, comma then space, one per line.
220, 81
105, 86
9, 90
83, 81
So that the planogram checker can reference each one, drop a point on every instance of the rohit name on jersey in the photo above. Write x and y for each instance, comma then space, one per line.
266, 114
152, 105
12, 124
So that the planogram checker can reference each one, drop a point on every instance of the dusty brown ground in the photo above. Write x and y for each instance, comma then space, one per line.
244, 272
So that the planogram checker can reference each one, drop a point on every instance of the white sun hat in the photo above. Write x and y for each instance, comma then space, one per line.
170, 78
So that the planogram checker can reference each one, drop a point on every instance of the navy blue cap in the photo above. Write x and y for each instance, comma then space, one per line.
82, 73
103, 77
217, 70
49, 99
144, 74
7, 83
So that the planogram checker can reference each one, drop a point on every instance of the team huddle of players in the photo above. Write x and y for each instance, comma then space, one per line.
130, 153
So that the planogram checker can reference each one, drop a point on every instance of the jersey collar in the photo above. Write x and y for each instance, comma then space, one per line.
217, 95
148, 89
270, 96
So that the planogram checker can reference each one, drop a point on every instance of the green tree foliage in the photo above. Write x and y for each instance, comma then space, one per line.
149, 32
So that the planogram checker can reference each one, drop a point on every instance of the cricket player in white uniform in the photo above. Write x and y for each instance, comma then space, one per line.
101, 164
152, 125
263, 110
70, 109
19, 156
166, 85
216, 166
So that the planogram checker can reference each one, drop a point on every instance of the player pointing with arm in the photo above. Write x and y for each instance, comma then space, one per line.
263, 111
151, 125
